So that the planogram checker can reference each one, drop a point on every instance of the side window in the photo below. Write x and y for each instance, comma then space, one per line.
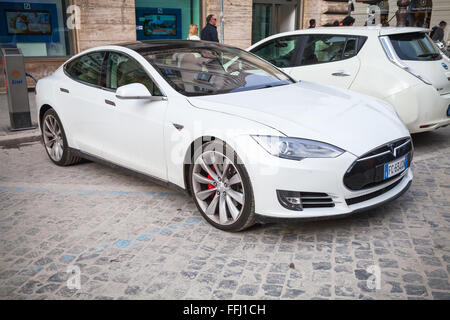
353, 45
87, 68
280, 52
122, 70
323, 48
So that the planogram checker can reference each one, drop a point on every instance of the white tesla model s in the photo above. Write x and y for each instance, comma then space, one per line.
242, 137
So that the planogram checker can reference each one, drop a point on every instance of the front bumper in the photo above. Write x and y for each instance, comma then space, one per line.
320, 176
421, 108
272, 219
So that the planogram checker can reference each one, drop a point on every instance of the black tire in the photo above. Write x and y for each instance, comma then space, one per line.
247, 217
67, 158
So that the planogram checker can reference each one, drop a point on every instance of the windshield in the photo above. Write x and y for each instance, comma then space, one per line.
414, 46
213, 70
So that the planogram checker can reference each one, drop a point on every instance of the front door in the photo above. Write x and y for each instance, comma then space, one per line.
134, 127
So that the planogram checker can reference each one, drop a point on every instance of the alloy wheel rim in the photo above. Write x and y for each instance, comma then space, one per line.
53, 139
218, 187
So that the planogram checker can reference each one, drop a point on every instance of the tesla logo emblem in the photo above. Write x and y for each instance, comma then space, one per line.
444, 66
392, 149
15, 74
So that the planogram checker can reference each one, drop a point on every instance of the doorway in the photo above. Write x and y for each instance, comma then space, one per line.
272, 17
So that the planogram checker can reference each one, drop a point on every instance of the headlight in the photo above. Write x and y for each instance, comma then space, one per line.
296, 148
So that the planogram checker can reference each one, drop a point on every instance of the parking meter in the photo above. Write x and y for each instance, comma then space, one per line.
17, 90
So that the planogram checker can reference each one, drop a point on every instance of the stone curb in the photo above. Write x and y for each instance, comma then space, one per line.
15, 139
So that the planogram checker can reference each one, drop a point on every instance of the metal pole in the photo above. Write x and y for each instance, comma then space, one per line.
350, 7
222, 31
402, 12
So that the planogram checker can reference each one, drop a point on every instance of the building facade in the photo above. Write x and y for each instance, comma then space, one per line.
51, 31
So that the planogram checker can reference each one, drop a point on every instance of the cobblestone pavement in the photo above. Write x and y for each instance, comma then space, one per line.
132, 239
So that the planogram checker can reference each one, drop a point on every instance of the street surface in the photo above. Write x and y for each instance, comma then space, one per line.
127, 238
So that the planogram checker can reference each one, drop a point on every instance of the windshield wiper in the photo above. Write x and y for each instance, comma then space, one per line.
433, 55
274, 85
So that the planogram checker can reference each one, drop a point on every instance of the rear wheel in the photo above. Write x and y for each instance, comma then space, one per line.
55, 141
221, 187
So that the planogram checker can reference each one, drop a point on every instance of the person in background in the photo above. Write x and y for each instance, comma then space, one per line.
209, 32
193, 32
348, 21
336, 23
438, 32
312, 24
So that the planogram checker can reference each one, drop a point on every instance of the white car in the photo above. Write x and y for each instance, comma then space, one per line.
247, 141
401, 66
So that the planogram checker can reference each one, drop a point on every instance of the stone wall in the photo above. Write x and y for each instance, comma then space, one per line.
237, 20
325, 12
106, 22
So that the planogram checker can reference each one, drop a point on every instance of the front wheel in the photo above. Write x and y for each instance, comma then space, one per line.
221, 187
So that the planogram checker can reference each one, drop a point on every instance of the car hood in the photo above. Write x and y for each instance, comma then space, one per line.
348, 120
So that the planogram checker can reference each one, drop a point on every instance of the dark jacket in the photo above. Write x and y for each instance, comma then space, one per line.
438, 34
209, 33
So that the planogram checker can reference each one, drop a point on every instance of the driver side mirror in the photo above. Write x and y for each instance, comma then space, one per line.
133, 91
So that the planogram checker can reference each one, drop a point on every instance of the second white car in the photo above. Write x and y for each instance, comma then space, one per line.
401, 66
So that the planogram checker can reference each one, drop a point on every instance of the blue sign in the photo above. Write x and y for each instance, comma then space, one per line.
158, 23
28, 22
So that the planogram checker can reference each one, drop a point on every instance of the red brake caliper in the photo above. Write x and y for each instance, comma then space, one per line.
210, 186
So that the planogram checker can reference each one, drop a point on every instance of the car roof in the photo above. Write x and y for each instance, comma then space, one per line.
160, 45
360, 31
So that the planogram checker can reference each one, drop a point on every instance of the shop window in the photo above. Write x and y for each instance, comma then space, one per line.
37, 27
420, 13
167, 19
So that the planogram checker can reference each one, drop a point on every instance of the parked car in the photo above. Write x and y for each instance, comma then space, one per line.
401, 66
242, 137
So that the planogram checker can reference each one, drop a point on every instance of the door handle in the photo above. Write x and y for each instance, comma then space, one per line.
111, 103
340, 74
64, 90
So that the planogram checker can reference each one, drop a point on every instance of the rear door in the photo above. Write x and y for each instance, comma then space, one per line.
80, 100
328, 59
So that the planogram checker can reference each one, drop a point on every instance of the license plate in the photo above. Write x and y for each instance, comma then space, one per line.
395, 167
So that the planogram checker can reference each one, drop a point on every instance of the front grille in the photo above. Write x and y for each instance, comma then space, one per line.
372, 195
368, 170
316, 200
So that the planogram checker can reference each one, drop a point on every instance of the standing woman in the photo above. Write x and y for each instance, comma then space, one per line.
193, 32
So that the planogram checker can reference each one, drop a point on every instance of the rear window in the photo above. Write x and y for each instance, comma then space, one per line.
414, 46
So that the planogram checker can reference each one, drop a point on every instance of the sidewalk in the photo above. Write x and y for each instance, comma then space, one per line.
8, 137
